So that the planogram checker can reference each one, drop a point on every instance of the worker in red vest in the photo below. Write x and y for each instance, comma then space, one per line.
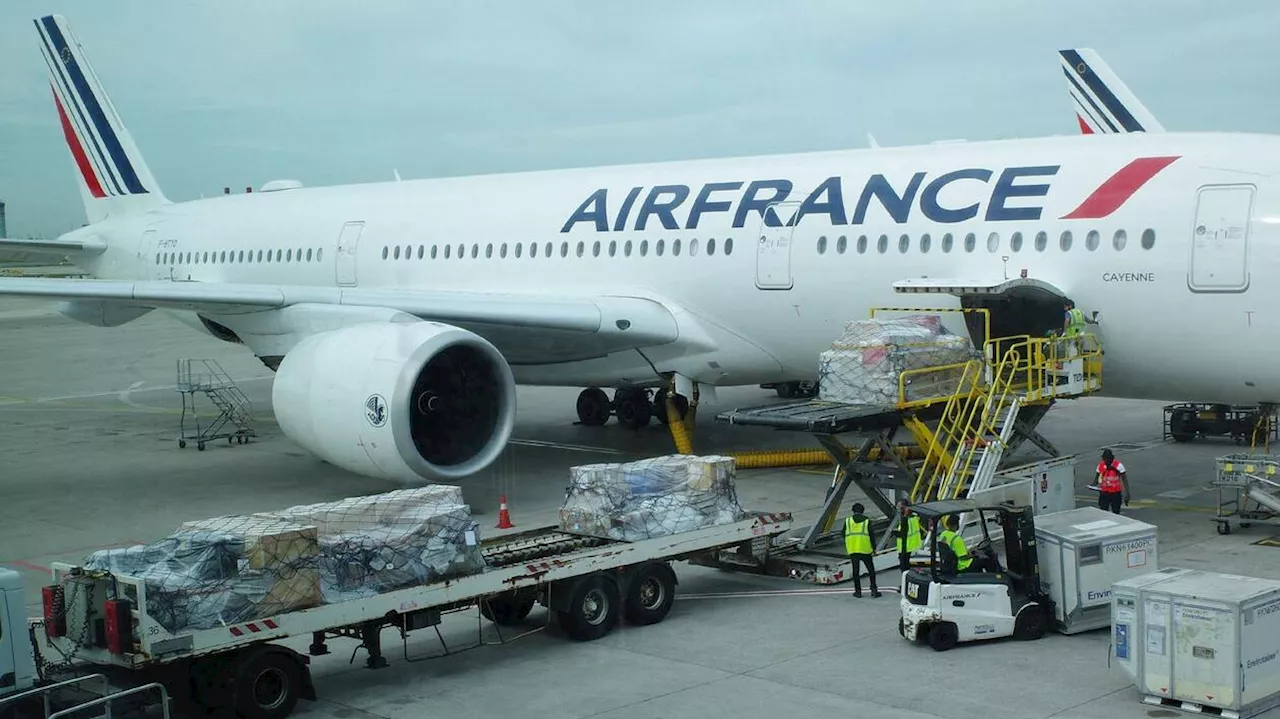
1112, 483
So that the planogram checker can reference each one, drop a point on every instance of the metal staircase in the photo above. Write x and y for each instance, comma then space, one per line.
964, 449
234, 420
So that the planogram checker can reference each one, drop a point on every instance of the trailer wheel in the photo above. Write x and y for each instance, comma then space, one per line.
267, 686
509, 608
650, 594
593, 609
943, 636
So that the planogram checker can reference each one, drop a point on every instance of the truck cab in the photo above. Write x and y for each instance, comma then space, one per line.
17, 664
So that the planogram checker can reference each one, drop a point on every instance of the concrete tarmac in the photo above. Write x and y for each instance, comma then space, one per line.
89, 421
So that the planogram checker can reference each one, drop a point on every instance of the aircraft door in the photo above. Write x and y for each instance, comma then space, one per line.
773, 247
1220, 239
149, 265
345, 257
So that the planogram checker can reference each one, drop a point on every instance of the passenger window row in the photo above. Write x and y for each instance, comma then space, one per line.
548, 249
230, 257
1092, 240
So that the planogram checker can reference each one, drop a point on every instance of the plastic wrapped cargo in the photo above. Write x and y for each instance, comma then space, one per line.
238, 568
865, 365
651, 497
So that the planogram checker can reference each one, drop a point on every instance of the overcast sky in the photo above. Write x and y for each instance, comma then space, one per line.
239, 92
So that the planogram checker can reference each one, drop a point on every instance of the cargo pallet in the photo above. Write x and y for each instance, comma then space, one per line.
1246, 486
987, 408
588, 582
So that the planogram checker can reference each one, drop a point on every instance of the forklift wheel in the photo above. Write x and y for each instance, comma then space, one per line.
1031, 623
943, 636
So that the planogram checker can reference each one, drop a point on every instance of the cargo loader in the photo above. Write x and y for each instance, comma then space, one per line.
97, 633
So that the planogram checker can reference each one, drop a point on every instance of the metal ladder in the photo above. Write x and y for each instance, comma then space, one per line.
234, 420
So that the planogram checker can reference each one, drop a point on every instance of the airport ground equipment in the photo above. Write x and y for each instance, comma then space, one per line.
1082, 553
989, 600
234, 420
1200, 642
99, 622
1185, 421
1248, 489
964, 433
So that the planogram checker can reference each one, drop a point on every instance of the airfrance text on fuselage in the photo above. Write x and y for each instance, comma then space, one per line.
661, 201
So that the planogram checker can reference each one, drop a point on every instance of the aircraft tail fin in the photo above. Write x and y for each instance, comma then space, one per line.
1103, 103
114, 178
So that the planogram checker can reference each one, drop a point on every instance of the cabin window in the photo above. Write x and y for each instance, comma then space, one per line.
289, 255
862, 244
882, 245
822, 245
1091, 240
948, 241
475, 251
157, 258
970, 242
842, 244
626, 248
693, 247
488, 251
502, 251
546, 250
581, 247
644, 248
422, 252
675, 247
397, 252
925, 242
1119, 240
1064, 242
1042, 241
595, 248
448, 251
1148, 239
298, 254
319, 254
711, 246
658, 247
613, 248
904, 243
728, 245
279, 254
1015, 242
462, 251
260, 255
564, 249
435, 251
993, 242
309, 254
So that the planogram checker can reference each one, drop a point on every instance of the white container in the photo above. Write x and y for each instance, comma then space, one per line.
1082, 553
1200, 641
1052, 483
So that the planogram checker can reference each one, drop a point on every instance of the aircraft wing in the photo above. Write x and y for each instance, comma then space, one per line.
53, 248
594, 325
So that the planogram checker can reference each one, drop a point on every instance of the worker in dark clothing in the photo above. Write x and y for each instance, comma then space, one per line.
860, 547
909, 534
1112, 483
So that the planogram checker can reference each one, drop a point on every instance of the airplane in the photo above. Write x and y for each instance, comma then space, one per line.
1104, 104
399, 316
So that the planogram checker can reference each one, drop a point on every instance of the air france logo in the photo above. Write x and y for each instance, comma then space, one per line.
375, 410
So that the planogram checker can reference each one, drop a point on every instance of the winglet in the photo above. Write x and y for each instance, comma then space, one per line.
114, 178
1103, 103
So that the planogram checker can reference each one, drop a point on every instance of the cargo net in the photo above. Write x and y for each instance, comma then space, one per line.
865, 365
651, 497
234, 569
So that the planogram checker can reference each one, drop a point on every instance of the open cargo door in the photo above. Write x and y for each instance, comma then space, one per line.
1018, 306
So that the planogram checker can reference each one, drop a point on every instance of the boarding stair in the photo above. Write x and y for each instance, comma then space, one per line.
234, 419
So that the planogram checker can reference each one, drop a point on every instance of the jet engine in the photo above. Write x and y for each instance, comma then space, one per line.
400, 401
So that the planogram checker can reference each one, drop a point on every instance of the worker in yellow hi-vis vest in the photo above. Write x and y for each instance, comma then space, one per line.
909, 534
859, 546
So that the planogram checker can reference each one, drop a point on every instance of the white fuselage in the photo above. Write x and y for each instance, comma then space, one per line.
1163, 338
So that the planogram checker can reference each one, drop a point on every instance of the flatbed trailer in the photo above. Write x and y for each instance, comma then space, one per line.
99, 620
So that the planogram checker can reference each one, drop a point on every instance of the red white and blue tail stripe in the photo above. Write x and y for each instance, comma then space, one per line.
110, 166
1103, 103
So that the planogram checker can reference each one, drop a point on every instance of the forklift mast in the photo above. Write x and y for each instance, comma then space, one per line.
1020, 548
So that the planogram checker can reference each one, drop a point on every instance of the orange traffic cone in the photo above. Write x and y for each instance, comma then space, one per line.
504, 517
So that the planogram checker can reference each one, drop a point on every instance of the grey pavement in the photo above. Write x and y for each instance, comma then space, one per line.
88, 428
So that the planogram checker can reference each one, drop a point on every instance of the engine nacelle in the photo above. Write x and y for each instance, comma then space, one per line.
406, 402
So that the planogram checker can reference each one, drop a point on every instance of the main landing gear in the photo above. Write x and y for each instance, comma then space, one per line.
633, 406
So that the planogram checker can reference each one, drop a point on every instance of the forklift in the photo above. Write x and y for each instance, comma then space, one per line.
943, 606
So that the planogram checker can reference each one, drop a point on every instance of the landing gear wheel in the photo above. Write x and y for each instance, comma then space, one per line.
1224, 528
593, 609
593, 407
508, 609
943, 636
660, 405
649, 598
267, 686
1031, 624
632, 408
